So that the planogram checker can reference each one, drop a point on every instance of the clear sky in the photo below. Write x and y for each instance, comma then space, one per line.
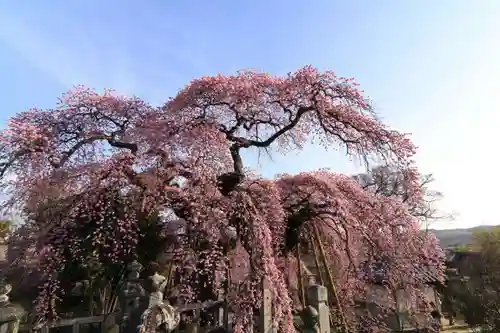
431, 67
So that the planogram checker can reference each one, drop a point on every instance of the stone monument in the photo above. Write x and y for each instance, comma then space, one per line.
131, 298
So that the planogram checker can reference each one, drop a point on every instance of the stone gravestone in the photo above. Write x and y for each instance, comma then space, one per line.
10, 314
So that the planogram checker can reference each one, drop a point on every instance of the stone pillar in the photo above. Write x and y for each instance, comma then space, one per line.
318, 298
220, 312
132, 293
266, 315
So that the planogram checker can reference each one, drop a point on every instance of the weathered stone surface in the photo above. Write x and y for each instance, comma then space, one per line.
10, 312
317, 293
318, 298
115, 328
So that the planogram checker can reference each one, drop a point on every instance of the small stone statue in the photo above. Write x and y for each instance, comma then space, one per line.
158, 284
5, 289
10, 314
160, 316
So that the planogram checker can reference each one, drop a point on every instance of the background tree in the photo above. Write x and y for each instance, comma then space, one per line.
473, 291
92, 143
387, 181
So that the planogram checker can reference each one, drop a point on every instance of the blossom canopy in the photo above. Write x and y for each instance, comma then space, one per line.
97, 152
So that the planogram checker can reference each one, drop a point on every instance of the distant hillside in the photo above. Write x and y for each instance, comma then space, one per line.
453, 237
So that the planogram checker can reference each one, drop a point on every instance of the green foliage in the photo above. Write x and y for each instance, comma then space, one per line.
488, 242
462, 248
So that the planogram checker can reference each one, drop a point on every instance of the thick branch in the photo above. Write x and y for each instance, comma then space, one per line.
229, 181
110, 139
246, 143
118, 144
6, 165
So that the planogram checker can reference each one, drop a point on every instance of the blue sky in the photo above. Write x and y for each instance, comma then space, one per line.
431, 67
